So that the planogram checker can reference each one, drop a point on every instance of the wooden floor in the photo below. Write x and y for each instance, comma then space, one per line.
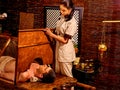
60, 80
56, 85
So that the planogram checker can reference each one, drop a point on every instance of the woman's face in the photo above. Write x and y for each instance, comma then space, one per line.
64, 11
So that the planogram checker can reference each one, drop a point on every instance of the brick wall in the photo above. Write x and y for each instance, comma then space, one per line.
95, 11
36, 7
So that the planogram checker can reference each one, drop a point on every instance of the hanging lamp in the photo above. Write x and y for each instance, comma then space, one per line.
102, 47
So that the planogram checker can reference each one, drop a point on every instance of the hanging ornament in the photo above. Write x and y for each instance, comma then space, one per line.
102, 46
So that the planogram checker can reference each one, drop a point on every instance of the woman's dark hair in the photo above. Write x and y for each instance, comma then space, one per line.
49, 77
69, 5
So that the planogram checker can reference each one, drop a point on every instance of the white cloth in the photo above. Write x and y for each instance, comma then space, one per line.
34, 79
4, 60
65, 53
64, 68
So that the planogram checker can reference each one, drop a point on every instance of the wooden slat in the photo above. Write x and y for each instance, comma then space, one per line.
7, 39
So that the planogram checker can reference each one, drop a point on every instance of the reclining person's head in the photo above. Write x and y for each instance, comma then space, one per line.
48, 74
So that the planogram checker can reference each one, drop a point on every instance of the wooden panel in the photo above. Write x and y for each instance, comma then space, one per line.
33, 44
29, 37
28, 54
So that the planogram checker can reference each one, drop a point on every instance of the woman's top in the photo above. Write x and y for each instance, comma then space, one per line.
65, 52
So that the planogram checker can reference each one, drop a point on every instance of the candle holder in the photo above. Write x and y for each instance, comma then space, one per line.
102, 48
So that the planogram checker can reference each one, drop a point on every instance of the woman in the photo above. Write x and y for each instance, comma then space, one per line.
35, 72
66, 27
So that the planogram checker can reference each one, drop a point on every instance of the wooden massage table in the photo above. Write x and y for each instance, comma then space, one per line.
33, 43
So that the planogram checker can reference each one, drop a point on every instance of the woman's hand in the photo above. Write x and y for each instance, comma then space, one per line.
49, 32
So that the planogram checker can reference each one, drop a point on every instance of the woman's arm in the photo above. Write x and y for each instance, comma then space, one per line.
57, 37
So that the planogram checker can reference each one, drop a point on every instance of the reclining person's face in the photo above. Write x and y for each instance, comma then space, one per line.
42, 69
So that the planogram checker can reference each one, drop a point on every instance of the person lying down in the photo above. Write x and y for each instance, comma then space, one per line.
35, 72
